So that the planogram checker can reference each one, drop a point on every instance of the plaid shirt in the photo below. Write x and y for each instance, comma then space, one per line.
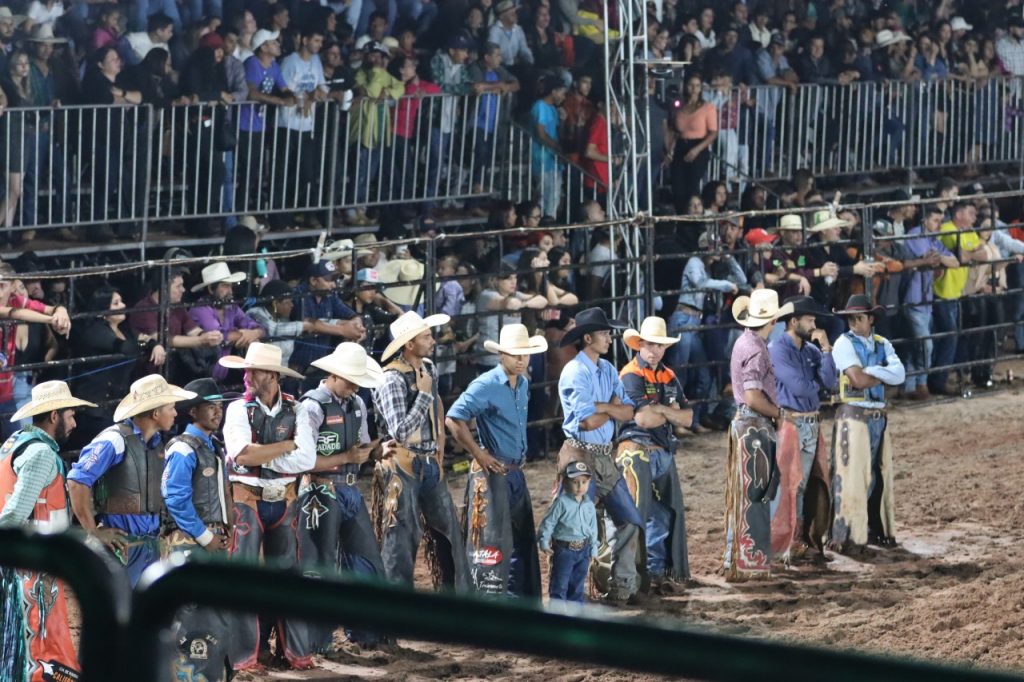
402, 421
1011, 53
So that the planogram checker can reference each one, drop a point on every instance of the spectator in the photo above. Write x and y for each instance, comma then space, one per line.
17, 137
732, 105
789, 271
108, 27
273, 314
410, 125
773, 69
1010, 47
321, 304
694, 129
545, 44
544, 120
245, 27
158, 33
580, 111
760, 28
509, 36
597, 153
154, 79
499, 305
733, 58
929, 61
705, 28
490, 80
986, 281
215, 312
813, 66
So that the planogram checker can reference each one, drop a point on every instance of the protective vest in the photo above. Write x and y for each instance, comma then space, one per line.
339, 430
51, 509
431, 427
660, 388
210, 494
869, 357
269, 430
133, 485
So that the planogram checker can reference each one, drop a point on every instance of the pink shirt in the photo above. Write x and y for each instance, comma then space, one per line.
751, 367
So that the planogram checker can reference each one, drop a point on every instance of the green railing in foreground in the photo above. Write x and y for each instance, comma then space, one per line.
500, 625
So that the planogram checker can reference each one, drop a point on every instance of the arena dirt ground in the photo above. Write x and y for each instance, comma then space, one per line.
952, 591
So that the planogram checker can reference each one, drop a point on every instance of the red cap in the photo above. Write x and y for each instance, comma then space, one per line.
211, 40
759, 236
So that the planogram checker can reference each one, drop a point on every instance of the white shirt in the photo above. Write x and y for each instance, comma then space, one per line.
141, 44
845, 356
706, 41
238, 434
41, 14
601, 253
302, 78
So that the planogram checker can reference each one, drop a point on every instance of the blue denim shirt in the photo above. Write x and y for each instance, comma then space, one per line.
500, 413
582, 384
567, 519
695, 276
800, 373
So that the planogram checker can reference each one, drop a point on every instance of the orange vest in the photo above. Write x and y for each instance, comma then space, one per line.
51, 509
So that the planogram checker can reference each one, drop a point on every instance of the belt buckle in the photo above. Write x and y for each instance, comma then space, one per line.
273, 493
351, 478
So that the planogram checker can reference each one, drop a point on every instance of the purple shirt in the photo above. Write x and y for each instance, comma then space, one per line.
919, 288
751, 367
801, 373
265, 80
234, 319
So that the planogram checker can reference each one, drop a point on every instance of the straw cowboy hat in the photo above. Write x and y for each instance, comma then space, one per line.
43, 33
407, 327
47, 397
338, 249
824, 220
652, 330
760, 308
885, 38
514, 339
587, 322
265, 356
350, 361
401, 271
149, 393
216, 273
790, 221
5, 13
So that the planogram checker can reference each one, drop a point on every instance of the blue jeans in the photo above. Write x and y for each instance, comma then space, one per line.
660, 514
369, 162
549, 188
422, 14
696, 381
569, 572
141, 10
876, 427
920, 356
945, 315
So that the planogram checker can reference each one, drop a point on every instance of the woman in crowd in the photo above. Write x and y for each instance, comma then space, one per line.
500, 304
694, 130
17, 135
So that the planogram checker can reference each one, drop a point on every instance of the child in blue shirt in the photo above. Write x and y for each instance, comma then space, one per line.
570, 529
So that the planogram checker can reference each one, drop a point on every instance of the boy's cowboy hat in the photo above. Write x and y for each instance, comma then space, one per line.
860, 304
215, 273
587, 322
760, 308
514, 339
652, 330
350, 361
407, 327
265, 356
149, 393
47, 397
207, 391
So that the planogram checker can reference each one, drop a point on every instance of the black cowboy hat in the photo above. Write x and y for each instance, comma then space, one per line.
803, 305
589, 321
860, 304
207, 391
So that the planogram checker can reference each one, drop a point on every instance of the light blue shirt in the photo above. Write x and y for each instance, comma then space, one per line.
583, 384
695, 277
845, 356
1007, 245
512, 42
500, 413
567, 519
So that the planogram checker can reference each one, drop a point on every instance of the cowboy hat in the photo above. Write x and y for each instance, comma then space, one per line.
885, 38
206, 390
350, 361
43, 33
514, 339
803, 305
790, 221
860, 304
824, 220
652, 330
407, 327
505, 6
215, 273
47, 397
5, 13
589, 321
401, 271
149, 393
265, 356
338, 249
960, 24
248, 220
758, 309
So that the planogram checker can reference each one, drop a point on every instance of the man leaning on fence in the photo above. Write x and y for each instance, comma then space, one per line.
34, 626
410, 483
115, 485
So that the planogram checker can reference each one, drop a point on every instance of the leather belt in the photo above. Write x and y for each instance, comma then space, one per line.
593, 448
349, 479
807, 417
269, 493
574, 545
861, 413
688, 309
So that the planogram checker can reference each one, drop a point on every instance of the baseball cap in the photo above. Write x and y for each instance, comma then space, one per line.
576, 469
374, 46
275, 288
459, 41
367, 278
262, 36
777, 39
323, 268
759, 236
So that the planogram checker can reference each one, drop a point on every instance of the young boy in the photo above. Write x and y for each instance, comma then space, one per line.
570, 527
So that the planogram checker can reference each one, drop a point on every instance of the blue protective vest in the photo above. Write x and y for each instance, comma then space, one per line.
869, 357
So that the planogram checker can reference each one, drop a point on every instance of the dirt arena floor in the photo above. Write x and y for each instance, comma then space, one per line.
953, 590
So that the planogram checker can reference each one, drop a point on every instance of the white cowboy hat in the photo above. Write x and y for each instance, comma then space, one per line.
350, 361
338, 249
885, 38
409, 326
400, 271
960, 24
149, 393
824, 220
5, 13
264, 356
216, 273
253, 224
47, 397
652, 330
760, 308
790, 221
514, 339
43, 33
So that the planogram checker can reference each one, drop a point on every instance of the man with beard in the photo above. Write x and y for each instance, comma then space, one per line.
33, 494
215, 312
802, 369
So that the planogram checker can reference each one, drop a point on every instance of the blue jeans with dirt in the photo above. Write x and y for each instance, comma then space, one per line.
568, 571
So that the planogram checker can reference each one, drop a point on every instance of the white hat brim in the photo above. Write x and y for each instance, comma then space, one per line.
741, 305
632, 338
828, 224
537, 344
233, 278
128, 408
238, 362
429, 322
31, 409
372, 377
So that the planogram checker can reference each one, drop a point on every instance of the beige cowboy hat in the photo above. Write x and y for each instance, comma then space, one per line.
885, 38
5, 13
790, 221
253, 224
760, 308
350, 361
407, 327
338, 249
264, 356
405, 276
824, 220
652, 330
216, 273
149, 393
49, 396
514, 339
43, 33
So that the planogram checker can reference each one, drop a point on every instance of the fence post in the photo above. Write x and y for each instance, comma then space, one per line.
327, 191
164, 296
146, 182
